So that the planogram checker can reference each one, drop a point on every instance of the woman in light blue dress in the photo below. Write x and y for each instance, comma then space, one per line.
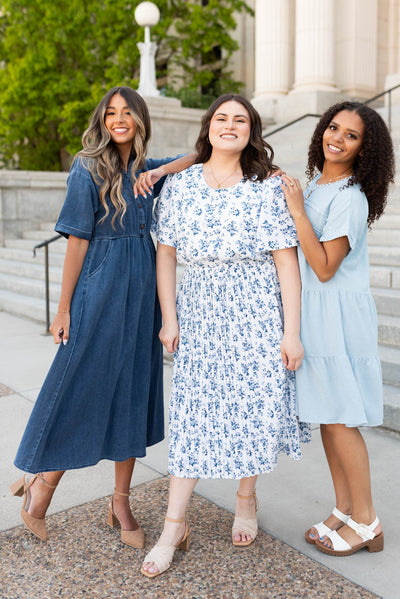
339, 384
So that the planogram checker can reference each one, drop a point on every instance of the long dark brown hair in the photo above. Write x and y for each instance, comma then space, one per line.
101, 156
374, 167
256, 158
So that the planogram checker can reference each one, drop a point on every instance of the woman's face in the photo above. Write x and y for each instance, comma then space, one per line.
342, 139
230, 127
119, 121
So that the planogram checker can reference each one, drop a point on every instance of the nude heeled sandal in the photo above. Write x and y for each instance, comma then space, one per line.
37, 526
323, 529
245, 525
162, 555
133, 538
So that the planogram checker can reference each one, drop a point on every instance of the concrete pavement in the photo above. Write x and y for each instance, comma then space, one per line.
291, 498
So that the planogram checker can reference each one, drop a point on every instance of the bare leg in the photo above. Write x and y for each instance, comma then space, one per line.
245, 508
342, 492
352, 454
41, 494
180, 491
120, 503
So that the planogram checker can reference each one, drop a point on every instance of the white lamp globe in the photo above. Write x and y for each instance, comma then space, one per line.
147, 14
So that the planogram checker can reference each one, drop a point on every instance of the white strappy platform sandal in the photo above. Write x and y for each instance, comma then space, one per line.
323, 529
371, 541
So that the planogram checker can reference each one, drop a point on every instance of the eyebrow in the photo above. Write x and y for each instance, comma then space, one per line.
236, 115
113, 107
352, 130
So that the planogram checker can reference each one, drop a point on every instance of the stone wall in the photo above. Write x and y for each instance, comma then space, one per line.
28, 198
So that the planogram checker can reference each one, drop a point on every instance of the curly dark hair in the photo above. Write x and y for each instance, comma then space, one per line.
374, 166
256, 158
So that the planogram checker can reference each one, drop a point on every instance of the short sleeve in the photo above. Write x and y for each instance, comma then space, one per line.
347, 216
155, 163
276, 229
163, 218
77, 216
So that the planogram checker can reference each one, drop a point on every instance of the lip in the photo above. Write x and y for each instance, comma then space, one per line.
333, 149
120, 130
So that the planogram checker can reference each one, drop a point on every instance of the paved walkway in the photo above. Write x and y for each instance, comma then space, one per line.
84, 558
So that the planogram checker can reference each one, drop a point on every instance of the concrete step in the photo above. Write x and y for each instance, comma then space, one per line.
384, 237
390, 360
58, 246
387, 277
39, 235
28, 269
386, 256
388, 221
26, 255
389, 330
29, 287
387, 301
47, 227
22, 305
391, 407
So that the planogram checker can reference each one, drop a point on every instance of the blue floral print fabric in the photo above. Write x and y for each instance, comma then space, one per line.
232, 406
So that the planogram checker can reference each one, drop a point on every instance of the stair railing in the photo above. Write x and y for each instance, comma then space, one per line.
46, 244
387, 92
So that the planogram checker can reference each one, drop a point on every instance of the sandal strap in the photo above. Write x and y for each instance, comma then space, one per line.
120, 492
322, 529
44, 481
340, 516
246, 525
175, 520
365, 531
252, 496
161, 556
338, 542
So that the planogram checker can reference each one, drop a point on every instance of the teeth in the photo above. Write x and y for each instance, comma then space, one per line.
229, 136
334, 148
123, 130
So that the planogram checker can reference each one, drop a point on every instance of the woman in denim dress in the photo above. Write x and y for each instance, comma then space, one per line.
102, 398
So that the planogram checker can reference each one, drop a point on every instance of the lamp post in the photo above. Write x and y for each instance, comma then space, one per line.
147, 15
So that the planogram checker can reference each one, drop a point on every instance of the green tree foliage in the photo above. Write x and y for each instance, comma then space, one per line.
58, 58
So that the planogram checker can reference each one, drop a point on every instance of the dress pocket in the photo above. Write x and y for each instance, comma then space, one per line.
100, 251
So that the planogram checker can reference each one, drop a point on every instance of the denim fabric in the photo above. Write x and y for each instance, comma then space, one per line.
103, 397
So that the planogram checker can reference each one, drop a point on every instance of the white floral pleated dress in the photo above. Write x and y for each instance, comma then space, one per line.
233, 406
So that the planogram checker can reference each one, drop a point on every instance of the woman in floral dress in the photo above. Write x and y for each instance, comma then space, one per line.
235, 326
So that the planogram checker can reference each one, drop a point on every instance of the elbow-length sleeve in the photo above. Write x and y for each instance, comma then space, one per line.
77, 216
347, 216
163, 224
276, 229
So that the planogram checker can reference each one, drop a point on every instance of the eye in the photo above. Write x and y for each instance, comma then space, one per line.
352, 136
332, 127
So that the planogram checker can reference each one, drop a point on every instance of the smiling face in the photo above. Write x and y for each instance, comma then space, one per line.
230, 127
343, 138
120, 122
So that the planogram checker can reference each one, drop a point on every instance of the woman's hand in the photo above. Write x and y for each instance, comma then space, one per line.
294, 195
59, 328
169, 336
278, 173
292, 351
145, 181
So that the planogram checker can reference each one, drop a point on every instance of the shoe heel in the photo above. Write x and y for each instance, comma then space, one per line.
111, 519
185, 544
376, 544
17, 488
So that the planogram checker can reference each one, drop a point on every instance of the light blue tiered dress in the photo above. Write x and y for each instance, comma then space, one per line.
340, 379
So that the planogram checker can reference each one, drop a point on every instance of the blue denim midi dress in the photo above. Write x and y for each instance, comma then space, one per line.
103, 395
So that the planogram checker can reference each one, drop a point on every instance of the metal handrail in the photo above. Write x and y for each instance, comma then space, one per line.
300, 118
46, 244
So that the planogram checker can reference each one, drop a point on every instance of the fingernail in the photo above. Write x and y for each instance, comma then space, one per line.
65, 341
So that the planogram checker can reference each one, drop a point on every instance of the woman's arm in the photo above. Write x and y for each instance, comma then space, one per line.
74, 258
324, 257
287, 268
146, 180
166, 287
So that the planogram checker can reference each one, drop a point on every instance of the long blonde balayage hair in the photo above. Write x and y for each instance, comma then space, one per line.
101, 157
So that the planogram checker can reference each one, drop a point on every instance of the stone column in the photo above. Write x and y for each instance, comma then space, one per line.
315, 46
272, 49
